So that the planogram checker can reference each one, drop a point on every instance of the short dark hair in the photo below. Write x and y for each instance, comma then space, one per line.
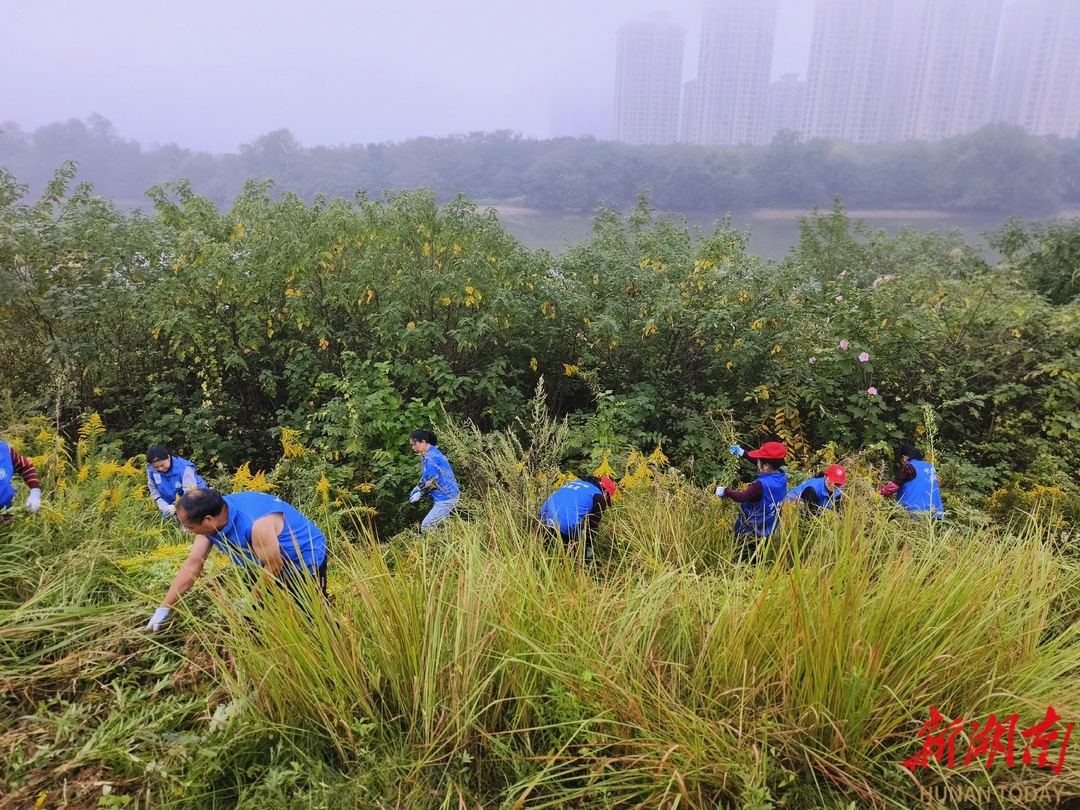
424, 436
912, 452
157, 452
199, 504
775, 464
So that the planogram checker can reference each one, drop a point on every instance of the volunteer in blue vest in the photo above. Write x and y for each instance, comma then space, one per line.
168, 477
915, 484
761, 500
258, 531
12, 464
436, 479
575, 508
822, 492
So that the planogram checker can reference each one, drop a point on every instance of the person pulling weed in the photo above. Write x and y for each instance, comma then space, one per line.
761, 500
257, 531
574, 510
436, 479
168, 477
915, 484
822, 492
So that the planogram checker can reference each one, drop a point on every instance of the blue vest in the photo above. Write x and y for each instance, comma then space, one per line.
170, 485
7, 470
825, 498
433, 464
922, 494
568, 506
760, 517
302, 544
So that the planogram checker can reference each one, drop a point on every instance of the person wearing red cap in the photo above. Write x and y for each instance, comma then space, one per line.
574, 509
822, 492
761, 500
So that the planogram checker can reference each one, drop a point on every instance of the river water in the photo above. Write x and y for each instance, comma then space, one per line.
773, 232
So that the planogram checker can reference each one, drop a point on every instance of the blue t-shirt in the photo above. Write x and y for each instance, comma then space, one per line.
433, 463
302, 544
568, 506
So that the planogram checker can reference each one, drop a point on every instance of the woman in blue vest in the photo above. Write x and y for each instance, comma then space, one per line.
168, 477
915, 485
436, 479
575, 508
822, 492
761, 500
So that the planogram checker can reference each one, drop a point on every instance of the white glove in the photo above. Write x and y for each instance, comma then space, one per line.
169, 510
735, 450
416, 494
720, 492
158, 619
33, 503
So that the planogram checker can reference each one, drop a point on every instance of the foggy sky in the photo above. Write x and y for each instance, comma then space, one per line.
214, 74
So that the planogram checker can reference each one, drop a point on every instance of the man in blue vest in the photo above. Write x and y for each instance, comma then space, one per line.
822, 492
915, 485
12, 464
575, 508
257, 531
761, 500
168, 477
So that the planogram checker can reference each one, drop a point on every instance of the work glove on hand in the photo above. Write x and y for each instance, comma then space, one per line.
33, 503
720, 492
158, 619
169, 511
416, 494
735, 450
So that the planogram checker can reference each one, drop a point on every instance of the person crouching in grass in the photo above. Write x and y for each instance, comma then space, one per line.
257, 531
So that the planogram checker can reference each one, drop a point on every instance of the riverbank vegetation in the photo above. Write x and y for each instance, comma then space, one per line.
293, 346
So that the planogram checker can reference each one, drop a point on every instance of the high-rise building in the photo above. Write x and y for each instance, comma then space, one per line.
855, 73
734, 64
648, 80
1037, 67
783, 105
947, 58
689, 109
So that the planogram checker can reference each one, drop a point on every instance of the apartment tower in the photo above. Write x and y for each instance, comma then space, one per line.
948, 65
734, 66
1037, 67
648, 81
855, 72
783, 105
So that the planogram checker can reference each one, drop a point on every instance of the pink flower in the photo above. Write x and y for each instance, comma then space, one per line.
843, 345
863, 357
872, 391
839, 298
813, 359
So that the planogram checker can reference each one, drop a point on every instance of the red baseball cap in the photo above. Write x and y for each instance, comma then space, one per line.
608, 486
835, 474
770, 451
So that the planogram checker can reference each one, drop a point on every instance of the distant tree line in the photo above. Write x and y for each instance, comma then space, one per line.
998, 168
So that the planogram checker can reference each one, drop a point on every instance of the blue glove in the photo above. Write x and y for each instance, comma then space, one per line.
158, 619
735, 450
416, 494
720, 492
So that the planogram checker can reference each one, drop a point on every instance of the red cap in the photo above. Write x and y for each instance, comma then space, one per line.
835, 474
770, 451
608, 485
